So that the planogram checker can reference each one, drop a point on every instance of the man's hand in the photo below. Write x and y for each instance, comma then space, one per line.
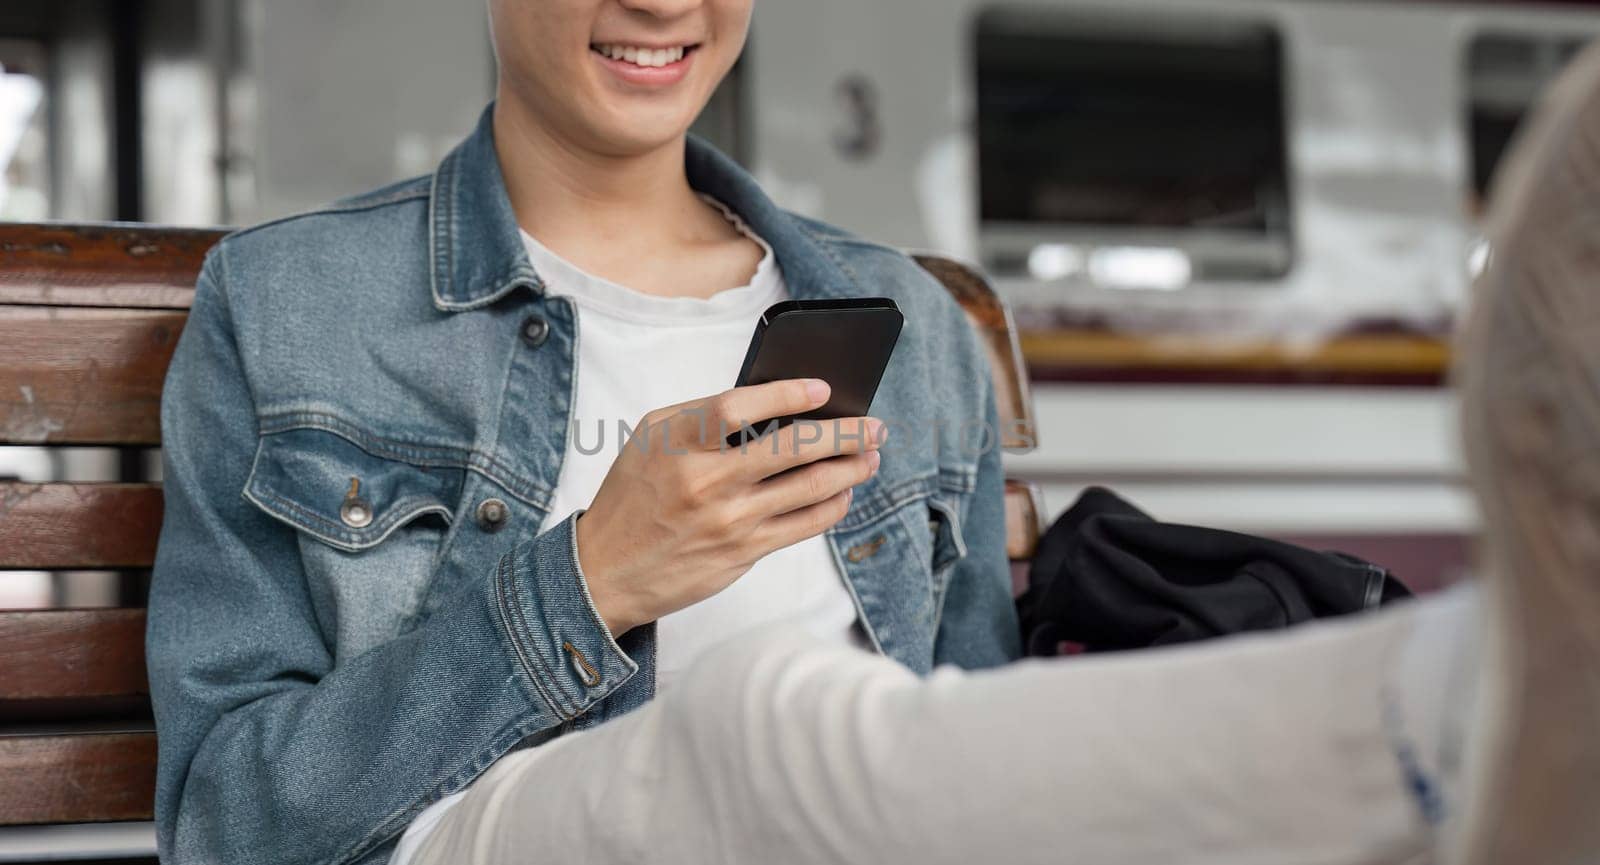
681, 515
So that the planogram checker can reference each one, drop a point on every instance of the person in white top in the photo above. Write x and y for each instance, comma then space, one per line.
641, 351
1320, 744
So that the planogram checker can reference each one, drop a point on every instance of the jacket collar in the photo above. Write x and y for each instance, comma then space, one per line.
477, 254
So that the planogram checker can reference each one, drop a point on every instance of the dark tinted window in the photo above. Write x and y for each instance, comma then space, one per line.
1114, 122
1505, 75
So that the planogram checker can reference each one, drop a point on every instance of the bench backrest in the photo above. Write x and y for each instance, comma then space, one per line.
89, 318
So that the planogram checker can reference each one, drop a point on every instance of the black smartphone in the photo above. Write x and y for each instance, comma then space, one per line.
845, 342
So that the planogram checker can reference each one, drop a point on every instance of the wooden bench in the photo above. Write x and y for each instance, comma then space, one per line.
89, 318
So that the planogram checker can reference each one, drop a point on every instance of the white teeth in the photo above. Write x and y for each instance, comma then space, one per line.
654, 58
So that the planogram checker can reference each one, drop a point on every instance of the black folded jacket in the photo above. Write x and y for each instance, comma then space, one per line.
1109, 577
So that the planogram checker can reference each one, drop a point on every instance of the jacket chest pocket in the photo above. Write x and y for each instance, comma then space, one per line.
370, 528
927, 537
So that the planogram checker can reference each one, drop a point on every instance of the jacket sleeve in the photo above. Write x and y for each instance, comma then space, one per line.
977, 617
267, 752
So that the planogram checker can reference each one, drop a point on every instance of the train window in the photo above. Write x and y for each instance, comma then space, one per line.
25, 193
1505, 75
1165, 135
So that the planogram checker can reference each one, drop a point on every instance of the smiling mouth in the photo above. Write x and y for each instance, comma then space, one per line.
644, 57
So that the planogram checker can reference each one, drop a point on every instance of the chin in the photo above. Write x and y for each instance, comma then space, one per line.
629, 133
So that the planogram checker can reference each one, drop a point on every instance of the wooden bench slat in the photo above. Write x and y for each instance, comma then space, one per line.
77, 778
61, 664
83, 525
84, 376
1024, 519
101, 265
1019, 432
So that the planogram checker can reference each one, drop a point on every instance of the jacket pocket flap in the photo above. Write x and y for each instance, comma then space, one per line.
326, 486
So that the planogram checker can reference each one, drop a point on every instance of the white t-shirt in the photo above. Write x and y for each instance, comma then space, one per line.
638, 352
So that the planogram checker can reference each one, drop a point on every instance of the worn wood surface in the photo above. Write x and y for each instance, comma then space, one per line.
1097, 355
101, 265
83, 376
77, 778
1018, 431
1094, 350
68, 664
85, 525
1024, 519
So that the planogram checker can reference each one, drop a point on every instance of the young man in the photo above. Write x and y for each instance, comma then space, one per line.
400, 589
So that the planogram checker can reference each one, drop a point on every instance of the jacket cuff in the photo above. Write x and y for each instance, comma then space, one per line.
568, 653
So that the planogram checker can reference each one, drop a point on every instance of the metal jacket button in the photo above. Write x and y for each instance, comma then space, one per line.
492, 515
535, 330
862, 552
355, 511
580, 665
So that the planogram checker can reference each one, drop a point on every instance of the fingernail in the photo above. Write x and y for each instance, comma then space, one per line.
877, 431
873, 459
816, 389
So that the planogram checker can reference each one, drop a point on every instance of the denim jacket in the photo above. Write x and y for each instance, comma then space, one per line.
338, 634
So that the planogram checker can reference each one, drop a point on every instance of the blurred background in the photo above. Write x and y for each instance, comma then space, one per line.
1236, 234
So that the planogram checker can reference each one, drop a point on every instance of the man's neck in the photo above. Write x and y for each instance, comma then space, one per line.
580, 203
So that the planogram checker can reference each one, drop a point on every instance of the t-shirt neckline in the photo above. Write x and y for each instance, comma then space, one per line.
563, 278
